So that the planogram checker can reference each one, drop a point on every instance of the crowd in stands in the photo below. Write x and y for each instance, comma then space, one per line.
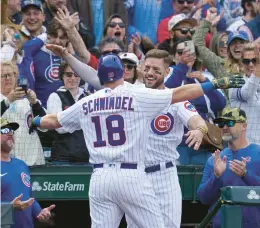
36, 79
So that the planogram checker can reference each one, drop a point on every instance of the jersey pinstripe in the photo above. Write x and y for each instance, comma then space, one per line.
166, 132
116, 122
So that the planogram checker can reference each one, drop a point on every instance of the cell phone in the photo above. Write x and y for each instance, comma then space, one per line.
190, 47
23, 82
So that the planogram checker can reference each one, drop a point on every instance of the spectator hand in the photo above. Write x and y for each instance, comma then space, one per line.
22, 205
220, 165
194, 138
45, 214
211, 14
67, 21
187, 59
238, 167
31, 96
198, 75
228, 82
58, 50
17, 93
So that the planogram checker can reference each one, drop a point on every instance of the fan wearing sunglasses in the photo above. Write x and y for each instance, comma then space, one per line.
63, 148
179, 27
247, 97
130, 62
236, 165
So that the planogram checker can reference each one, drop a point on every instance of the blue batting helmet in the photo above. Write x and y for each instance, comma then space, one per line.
110, 68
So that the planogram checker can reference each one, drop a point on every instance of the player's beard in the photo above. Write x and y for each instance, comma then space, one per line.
7, 146
231, 137
155, 84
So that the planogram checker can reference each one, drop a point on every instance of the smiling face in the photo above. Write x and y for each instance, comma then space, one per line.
116, 28
236, 48
32, 19
232, 133
248, 59
154, 72
129, 71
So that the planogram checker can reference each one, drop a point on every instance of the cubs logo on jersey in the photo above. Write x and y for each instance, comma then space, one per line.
189, 106
28, 119
162, 124
52, 73
26, 179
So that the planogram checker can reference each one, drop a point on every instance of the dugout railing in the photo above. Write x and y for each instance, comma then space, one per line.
230, 202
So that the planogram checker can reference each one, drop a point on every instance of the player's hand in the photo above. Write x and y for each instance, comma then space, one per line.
220, 165
45, 214
238, 167
18, 204
194, 138
33, 126
198, 75
234, 81
58, 50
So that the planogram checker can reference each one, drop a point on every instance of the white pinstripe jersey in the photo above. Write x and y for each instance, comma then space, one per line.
166, 132
116, 122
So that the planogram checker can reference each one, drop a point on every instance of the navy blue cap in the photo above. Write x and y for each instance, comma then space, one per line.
26, 3
237, 35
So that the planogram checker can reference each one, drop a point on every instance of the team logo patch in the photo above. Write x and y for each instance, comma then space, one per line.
28, 119
52, 73
111, 76
162, 124
26, 179
189, 106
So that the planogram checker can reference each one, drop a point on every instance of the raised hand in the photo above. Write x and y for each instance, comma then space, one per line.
17, 93
198, 75
220, 165
18, 204
67, 21
211, 14
58, 50
235, 81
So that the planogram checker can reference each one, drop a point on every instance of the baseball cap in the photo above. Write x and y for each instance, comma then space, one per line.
130, 57
6, 124
26, 3
237, 35
235, 114
176, 19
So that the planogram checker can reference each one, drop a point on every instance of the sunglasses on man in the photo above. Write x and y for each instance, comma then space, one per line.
115, 51
229, 123
114, 24
5, 131
185, 31
248, 61
183, 1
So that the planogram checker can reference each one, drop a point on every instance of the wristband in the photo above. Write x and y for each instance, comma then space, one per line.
207, 86
37, 121
202, 129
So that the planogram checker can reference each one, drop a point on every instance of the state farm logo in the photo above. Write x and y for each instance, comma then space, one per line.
253, 195
162, 124
48, 186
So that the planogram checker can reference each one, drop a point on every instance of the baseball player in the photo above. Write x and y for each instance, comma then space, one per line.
115, 123
166, 132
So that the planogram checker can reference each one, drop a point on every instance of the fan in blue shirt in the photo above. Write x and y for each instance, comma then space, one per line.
237, 165
15, 181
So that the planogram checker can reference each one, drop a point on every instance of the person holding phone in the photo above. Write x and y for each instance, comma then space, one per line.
20, 105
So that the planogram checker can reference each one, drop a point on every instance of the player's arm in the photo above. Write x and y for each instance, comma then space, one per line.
49, 122
192, 91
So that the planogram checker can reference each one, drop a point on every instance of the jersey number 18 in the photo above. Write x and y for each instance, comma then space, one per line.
111, 131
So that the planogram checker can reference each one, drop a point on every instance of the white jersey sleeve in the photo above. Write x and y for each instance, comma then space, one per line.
152, 101
70, 118
185, 111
